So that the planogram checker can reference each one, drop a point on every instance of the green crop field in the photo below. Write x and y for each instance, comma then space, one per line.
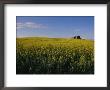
42, 55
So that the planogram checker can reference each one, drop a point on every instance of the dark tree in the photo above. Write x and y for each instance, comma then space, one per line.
78, 37
75, 37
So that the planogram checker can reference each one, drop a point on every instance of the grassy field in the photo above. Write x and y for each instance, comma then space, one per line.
42, 55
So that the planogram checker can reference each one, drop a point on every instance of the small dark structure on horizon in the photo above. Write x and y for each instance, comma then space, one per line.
77, 37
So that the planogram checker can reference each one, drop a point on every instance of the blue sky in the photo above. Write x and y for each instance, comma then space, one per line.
55, 26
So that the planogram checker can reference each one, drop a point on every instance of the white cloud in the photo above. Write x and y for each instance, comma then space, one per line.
29, 25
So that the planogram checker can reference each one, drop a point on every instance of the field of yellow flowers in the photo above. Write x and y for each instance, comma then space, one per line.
42, 55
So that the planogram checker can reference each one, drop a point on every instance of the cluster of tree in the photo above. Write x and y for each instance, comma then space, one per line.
77, 37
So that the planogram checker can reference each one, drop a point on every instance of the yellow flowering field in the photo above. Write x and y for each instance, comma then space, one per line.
42, 55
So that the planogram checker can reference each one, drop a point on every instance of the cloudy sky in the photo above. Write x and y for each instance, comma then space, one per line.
55, 26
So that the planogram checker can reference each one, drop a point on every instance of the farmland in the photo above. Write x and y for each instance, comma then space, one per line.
43, 55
